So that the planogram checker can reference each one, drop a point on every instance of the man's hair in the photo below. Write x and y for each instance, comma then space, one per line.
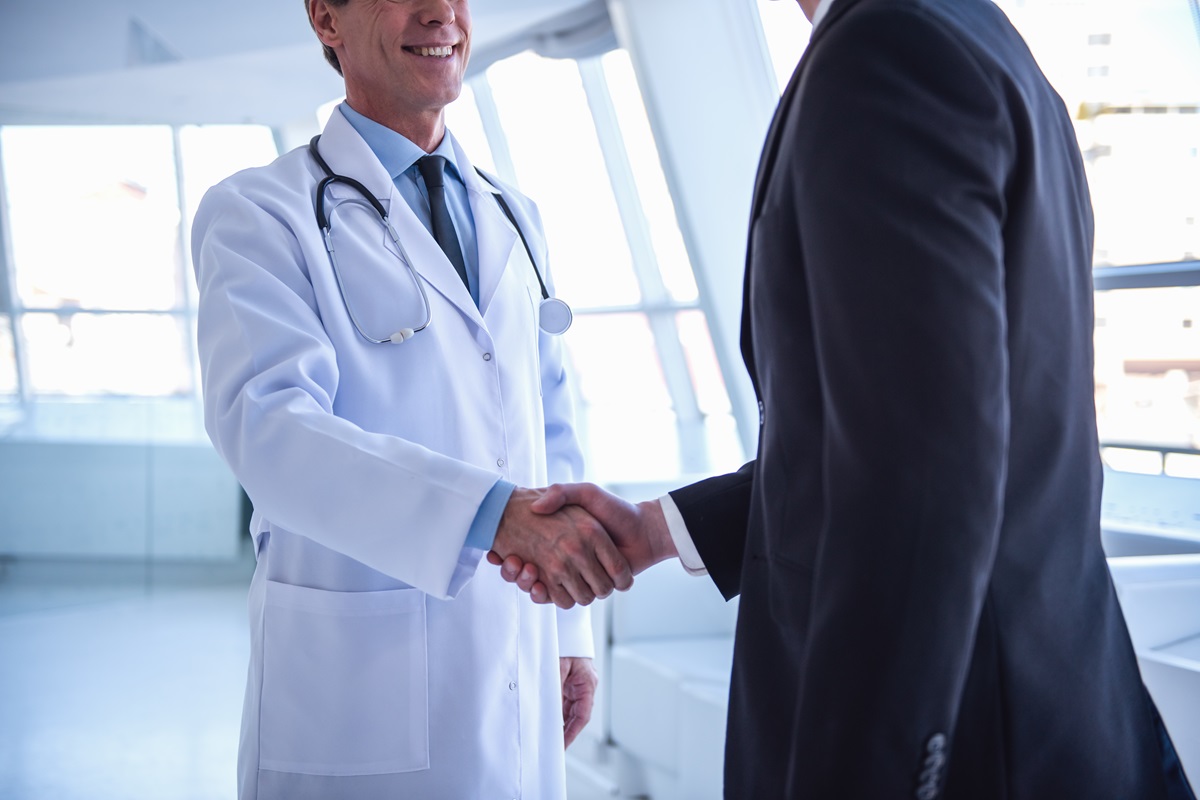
330, 56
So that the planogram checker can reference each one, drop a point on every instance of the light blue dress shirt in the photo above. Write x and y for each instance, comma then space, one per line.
399, 157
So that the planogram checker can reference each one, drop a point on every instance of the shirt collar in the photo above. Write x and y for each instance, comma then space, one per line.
395, 151
822, 10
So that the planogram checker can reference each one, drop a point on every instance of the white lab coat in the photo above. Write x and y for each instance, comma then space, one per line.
386, 661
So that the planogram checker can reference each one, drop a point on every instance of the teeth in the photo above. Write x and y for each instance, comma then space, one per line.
438, 52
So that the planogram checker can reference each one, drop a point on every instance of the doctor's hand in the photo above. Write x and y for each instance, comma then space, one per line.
579, 681
577, 561
639, 531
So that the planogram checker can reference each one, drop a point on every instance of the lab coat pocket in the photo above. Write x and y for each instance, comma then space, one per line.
345, 685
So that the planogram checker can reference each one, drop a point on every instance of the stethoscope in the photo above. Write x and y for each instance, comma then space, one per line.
554, 315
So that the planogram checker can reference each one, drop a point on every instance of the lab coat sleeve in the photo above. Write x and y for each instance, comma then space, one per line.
564, 457
270, 374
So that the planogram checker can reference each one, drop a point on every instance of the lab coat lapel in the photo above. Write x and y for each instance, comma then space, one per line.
349, 155
429, 259
497, 239
497, 244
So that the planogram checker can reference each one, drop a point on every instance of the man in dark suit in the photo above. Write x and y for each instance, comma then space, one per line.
926, 610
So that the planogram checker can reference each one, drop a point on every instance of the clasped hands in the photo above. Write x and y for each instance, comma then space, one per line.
572, 543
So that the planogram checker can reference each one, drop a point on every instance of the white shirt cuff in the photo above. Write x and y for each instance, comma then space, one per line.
575, 632
689, 556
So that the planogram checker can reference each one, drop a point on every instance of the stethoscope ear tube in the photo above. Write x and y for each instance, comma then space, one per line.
322, 219
331, 177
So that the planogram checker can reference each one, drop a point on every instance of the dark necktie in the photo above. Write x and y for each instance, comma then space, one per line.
433, 171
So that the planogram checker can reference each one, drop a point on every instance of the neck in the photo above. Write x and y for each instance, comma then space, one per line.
809, 7
425, 129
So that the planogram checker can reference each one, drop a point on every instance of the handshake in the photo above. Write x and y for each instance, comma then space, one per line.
572, 543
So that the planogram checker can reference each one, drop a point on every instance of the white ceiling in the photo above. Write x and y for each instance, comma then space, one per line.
168, 61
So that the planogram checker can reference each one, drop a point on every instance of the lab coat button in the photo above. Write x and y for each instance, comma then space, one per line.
487, 356
499, 462
512, 686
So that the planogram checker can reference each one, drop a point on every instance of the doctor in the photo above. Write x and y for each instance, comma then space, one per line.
383, 663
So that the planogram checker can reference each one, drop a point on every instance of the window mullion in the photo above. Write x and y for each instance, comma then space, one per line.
693, 450
8, 292
184, 264
493, 130
1146, 276
624, 185
693, 443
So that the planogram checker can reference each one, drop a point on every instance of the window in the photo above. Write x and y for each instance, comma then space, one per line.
1148, 366
786, 31
102, 304
652, 402
111, 311
8, 360
1130, 75
102, 294
591, 262
211, 153
87, 272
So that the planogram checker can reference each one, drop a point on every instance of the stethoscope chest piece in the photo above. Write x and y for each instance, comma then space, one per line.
554, 316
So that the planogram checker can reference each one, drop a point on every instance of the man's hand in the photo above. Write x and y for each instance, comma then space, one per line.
639, 532
579, 681
577, 561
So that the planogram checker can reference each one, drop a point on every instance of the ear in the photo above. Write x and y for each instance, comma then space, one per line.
323, 18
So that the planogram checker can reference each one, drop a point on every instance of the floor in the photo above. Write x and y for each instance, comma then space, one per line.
124, 689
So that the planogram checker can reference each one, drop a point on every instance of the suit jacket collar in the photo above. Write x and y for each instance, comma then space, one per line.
766, 165
771, 146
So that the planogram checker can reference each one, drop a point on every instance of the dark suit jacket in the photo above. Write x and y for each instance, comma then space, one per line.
926, 609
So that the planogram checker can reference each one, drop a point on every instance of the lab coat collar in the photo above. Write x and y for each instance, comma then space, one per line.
348, 154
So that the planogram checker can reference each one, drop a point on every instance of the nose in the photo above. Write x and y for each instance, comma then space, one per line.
437, 13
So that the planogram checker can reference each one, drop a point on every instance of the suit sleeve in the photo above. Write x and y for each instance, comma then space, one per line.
899, 171
716, 512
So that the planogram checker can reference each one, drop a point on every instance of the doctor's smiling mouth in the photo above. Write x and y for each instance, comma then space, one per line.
431, 52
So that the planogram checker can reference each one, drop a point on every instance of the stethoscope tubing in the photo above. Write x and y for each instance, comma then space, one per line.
554, 315
403, 334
